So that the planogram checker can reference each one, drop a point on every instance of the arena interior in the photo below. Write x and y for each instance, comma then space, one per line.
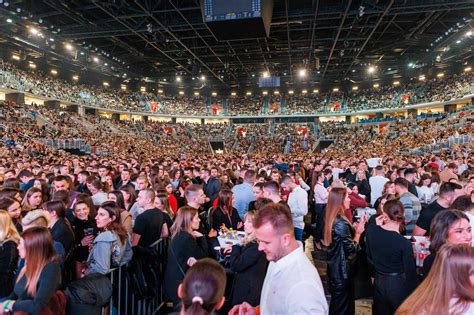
236, 157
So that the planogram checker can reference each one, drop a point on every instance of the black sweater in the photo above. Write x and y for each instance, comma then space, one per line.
219, 218
48, 282
182, 247
390, 252
8, 264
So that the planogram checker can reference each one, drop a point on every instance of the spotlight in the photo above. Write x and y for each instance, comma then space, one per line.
95, 59
69, 46
371, 69
214, 94
469, 33
467, 69
181, 92
304, 91
376, 85
302, 73
33, 31
203, 78
265, 74
75, 77
54, 72
32, 66
335, 90
178, 79
16, 57
396, 82
9, 21
233, 94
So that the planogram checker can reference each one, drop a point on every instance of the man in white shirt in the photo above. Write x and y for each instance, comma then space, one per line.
376, 183
292, 284
298, 203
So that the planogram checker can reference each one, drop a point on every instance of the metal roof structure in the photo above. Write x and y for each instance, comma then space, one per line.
158, 40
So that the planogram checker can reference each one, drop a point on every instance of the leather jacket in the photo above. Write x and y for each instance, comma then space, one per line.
342, 253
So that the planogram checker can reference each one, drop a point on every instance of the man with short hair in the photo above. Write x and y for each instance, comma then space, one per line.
409, 175
125, 179
410, 202
27, 179
243, 193
140, 184
448, 192
298, 203
449, 173
377, 182
212, 186
292, 284
149, 226
82, 181
195, 196
271, 190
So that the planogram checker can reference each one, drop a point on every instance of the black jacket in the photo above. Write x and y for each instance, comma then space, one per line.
219, 218
62, 233
342, 253
182, 246
211, 189
250, 266
8, 264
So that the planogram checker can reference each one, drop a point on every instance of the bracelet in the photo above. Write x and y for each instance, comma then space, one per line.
6, 308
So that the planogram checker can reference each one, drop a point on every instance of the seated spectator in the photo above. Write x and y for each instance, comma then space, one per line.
224, 214
357, 201
9, 239
40, 277
13, 207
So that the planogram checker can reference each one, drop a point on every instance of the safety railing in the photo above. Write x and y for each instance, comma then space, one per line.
436, 147
125, 301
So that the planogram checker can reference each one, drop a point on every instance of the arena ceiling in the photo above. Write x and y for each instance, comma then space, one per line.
157, 40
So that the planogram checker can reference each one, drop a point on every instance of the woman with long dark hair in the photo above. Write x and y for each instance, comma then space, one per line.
111, 248
225, 214
38, 280
129, 196
342, 244
449, 287
448, 226
186, 247
392, 257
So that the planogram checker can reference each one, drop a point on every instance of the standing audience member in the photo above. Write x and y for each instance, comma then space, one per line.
244, 194
342, 242
392, 257
186, 247
249, 265
298, 203
447, 227
410, 202
9, 239
449, 287
377, 183
292, 284
203, 288
60, 228
38, 280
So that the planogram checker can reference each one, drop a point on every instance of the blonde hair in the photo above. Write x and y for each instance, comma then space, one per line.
8, 230
251, 237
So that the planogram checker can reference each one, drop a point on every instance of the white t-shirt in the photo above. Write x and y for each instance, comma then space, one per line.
376, 187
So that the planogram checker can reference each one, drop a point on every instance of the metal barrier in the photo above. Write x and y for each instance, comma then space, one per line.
124, 301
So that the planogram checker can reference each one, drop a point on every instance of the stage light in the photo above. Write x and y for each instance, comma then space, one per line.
106, 84
9, 21
181, 92
304, 91
106, 64
276, 92
32, 66
265, 92
355, 88
33, 31
411, 64
51, 39
95, 59
69, 46
335, 90
315, 91
396, 82
196, 93
458, 42
54, 72
469, 33
214, 94
291, 92
75, 77
376, 85
248, 93
422, 78
202, 78
265, 74
123, 87
371, 69
467, 69
440, 75
160, 91
142, 89
233, 94
302, 73
15, 57
178, 79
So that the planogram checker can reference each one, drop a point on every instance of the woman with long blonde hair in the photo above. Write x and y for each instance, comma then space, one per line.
449, 287
9, 239
341, 240
186, 247
39, 278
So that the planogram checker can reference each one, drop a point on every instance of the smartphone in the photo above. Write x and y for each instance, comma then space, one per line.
88, 231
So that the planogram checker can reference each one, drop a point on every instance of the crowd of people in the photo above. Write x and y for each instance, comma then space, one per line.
438, 89
387, 225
